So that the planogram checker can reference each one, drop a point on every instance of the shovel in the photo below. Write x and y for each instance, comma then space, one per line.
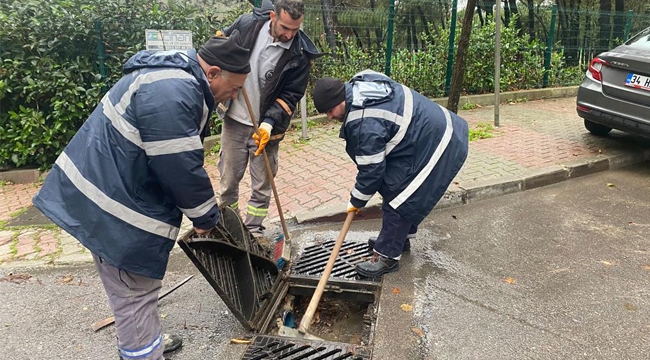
315, 299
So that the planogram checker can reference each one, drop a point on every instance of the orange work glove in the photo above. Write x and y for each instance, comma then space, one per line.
351, 208
263, 138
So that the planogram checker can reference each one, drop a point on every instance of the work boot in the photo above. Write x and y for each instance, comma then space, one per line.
170, 342
377, 266
373, 240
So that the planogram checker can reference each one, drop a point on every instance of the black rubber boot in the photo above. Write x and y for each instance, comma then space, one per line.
373, 240
377, 266
170, 342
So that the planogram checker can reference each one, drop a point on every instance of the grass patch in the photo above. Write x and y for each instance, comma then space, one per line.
481, 130
22, 227
469, 106
18, 212
13, 248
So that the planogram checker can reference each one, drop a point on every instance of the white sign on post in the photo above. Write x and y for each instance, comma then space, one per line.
160, 40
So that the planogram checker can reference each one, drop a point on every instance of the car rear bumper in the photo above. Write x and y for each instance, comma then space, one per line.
595, 106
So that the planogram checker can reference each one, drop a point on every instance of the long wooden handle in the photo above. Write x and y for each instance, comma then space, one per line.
268, 166
104, 323
315, 299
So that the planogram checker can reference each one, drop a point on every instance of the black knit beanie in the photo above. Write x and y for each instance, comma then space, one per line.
327, 93
226, 53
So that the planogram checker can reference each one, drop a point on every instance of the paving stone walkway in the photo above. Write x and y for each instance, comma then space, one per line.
317, 172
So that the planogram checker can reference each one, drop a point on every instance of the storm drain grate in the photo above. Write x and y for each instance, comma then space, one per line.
308, 268
271, 348
238, 269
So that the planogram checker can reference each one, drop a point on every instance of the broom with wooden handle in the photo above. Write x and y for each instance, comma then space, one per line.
282, 250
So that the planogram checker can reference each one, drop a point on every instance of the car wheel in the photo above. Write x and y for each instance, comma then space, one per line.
597, 129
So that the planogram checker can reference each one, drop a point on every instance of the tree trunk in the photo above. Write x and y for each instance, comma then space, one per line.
328, 24
424, 20
414, 33
605, 25
506, 12
531, 18
619, 21
573, 42
458, 72
515, 12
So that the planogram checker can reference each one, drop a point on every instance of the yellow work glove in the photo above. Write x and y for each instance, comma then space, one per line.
263, 138
351, 208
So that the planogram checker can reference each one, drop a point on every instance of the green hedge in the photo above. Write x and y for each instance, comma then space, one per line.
49, 73
50, 79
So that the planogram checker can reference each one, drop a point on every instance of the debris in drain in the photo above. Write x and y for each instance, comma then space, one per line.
337, 320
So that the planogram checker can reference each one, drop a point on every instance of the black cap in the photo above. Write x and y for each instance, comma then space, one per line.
226, 53
327, 93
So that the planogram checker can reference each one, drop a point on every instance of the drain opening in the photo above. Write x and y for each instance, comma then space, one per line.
346, 311
269, 348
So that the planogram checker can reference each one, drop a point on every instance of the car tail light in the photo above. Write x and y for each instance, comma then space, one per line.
584, 108
595, 66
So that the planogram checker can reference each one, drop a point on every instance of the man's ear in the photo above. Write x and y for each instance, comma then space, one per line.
272, 14
213, 72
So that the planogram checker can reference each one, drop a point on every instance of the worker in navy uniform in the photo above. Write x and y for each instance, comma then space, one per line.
135, 167
405, 146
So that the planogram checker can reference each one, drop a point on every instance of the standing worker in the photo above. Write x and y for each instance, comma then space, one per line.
405, 146
280, 61
134, 168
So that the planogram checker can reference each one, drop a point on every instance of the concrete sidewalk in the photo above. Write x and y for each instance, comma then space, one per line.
538, 143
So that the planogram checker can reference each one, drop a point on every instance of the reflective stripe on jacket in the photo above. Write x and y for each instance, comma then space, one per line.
405, 146
135, 167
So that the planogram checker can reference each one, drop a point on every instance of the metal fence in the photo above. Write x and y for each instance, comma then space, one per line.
415, 42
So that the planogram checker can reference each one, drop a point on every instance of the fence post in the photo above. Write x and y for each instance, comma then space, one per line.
450, 53
101, 54
628, 24
549, 46
389, 41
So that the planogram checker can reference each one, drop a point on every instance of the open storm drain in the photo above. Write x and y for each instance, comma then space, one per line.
308, 268
267, 300
269, 348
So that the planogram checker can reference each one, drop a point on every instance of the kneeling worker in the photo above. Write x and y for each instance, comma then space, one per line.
405, 146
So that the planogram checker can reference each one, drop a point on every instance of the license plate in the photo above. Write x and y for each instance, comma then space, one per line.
638, 81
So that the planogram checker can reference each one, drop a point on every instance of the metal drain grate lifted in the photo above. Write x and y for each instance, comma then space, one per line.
270, 348
238, 269
308, 268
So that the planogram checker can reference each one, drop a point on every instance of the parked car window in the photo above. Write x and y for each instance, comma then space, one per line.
640, 40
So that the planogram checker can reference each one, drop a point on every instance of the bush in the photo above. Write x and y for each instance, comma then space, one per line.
49, 75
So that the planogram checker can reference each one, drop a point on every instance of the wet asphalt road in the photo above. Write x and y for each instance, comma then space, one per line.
561, 272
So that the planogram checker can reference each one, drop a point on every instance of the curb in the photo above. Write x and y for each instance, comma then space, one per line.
25, 176
487, 189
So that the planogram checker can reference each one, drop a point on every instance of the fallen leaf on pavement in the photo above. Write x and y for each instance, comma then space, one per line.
606, 263
407, 307
646, 267
509, 280
350, 251
418, 332
630, 223
16, 278
611, 185
396, 291
629, 307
